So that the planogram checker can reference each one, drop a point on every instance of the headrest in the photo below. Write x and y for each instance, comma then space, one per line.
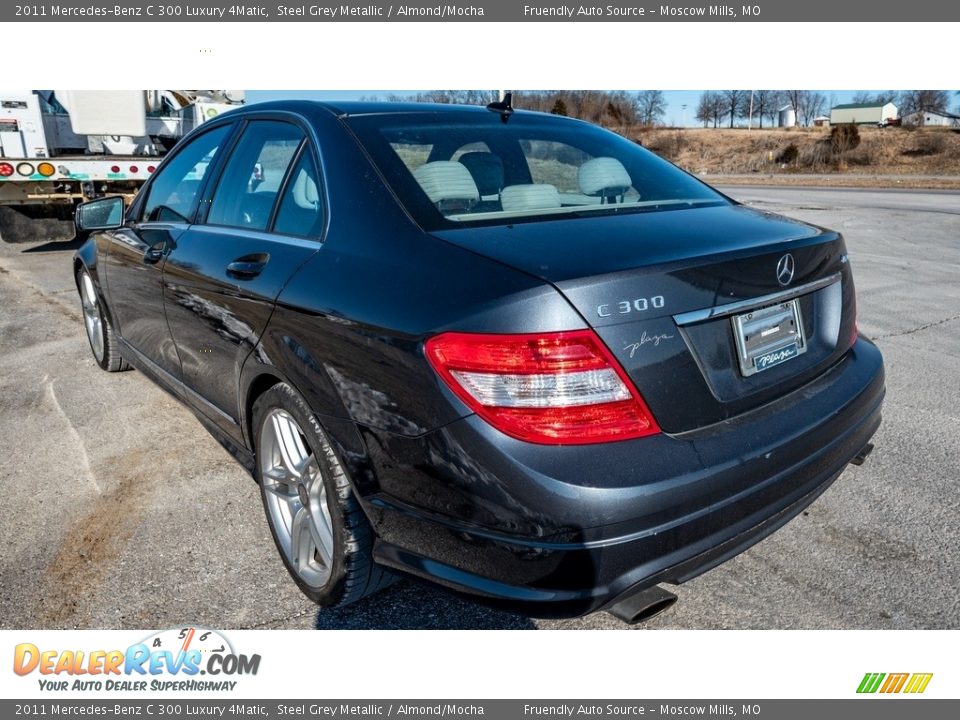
603, 176
445, 180
529, 197
305, 193
486, 170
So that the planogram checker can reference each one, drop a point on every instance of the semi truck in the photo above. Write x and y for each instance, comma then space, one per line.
59, 148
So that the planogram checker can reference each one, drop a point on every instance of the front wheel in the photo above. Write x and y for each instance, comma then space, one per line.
323, 536
100, 334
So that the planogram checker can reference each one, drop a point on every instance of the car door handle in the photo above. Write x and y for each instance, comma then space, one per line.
248, 266
154, 254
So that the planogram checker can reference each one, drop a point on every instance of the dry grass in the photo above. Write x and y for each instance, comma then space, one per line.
893, 151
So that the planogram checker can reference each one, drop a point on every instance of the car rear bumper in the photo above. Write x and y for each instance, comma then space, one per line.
559, 532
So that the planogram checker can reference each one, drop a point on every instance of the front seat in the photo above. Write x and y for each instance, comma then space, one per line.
604, 177
528, 198
486, 169
448, 185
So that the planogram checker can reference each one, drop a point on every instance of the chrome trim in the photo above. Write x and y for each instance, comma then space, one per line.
719, 311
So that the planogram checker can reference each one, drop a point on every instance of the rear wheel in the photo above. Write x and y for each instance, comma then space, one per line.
100, 334
323, 537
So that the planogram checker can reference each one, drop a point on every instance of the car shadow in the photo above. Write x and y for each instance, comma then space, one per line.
55, 246
409, 605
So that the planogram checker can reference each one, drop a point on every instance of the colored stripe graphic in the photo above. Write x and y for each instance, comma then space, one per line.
918, 682
870, 682
894, 682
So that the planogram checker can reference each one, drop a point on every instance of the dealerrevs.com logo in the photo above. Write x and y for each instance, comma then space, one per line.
890, 683
173, 659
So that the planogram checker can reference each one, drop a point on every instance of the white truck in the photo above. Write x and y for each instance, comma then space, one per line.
59, 148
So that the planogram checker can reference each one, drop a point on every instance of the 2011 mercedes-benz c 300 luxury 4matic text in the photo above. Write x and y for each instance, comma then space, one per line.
511, 353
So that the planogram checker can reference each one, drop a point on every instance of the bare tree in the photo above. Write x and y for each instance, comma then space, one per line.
460, 97
651, 107
877, 97
766, 102
796, 99
611, 108
882, 97
734, 100
919, 101
718, 107
704, 108
811, 105
774, 104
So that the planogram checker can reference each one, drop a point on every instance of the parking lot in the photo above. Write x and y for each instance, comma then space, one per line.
120, 511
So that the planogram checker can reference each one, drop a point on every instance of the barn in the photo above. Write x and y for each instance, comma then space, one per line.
862, 113
930, 118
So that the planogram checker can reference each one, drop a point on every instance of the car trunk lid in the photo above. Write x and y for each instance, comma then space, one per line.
687, 300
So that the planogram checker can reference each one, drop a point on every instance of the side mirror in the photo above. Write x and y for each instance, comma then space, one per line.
103, 214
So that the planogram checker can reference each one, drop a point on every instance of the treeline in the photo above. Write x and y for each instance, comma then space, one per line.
611, 108
625, 111
721, 108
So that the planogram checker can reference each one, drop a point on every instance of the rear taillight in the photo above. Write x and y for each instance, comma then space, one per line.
551, 388
6, 169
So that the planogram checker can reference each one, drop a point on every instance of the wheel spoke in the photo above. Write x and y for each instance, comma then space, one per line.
323, 536
289, 445
279, 476
88, 293
283, 493
301, 540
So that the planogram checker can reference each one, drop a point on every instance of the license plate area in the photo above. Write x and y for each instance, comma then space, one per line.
769, 336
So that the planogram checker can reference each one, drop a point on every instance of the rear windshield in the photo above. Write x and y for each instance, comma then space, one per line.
451, 169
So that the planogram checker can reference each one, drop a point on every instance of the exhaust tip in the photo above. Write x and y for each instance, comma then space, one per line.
643, 606
861, 456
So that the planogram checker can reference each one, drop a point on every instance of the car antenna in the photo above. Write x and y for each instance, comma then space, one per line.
504, 106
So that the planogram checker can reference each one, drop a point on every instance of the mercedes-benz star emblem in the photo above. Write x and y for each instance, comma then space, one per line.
785, 270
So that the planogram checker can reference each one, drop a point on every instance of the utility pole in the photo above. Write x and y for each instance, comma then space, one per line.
750, 118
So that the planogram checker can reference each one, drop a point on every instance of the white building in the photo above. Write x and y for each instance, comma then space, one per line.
862, 113
929, 118
786, 116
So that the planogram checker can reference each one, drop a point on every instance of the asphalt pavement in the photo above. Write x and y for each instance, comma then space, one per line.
120, 511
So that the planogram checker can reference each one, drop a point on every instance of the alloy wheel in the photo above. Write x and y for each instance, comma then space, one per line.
296, 498
92, 317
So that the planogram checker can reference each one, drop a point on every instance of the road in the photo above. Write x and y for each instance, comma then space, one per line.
120, 511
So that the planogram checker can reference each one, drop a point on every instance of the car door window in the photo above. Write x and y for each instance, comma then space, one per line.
175, 189
247, 190
301, 208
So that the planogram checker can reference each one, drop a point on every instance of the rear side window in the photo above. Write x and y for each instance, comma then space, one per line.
301, 208
175, 189
247, 190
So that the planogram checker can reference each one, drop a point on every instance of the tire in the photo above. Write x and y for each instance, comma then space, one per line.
100, 333
321, 533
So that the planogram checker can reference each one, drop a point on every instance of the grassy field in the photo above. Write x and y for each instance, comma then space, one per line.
921, 157
892, 157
